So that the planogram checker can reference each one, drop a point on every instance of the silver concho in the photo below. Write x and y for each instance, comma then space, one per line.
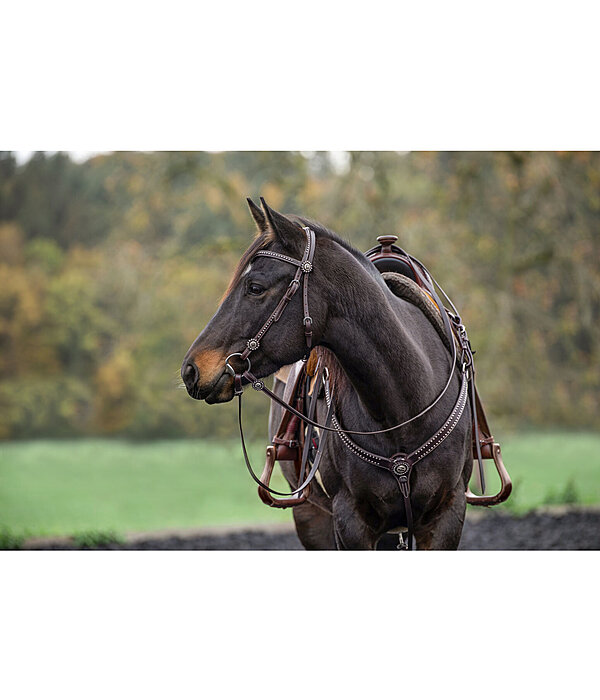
400, 467
258, 385
306, 266
253, 344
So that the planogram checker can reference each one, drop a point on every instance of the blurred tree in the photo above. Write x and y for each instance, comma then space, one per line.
109, 269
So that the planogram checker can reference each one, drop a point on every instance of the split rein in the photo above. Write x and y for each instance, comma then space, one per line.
400, 464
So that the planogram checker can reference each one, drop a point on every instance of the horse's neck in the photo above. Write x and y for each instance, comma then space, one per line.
374, 342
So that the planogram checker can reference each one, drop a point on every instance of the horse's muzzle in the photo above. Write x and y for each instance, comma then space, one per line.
190, 375
218, 390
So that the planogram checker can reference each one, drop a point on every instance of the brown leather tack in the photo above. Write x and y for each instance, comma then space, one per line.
290, 443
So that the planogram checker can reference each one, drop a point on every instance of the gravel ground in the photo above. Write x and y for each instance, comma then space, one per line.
566, 529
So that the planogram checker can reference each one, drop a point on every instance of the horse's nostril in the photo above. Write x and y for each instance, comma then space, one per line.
190, 374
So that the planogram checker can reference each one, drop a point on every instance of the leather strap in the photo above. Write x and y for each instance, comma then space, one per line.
259, 385
304, 269
313, 469
307, 320
416, 455
473, 403
400, 464
312, 406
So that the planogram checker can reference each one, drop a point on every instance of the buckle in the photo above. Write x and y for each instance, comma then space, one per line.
292, 289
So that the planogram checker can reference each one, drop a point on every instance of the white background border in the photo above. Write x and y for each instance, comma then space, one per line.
309, 76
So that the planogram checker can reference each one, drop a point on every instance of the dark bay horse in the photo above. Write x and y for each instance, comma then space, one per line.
387, 362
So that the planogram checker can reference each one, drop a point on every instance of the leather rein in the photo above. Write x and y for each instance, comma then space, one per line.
399, 464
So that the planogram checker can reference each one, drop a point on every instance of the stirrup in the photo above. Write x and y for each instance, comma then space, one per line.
268, 498
505, 483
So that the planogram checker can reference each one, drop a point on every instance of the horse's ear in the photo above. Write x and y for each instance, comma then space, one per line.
257, 215
289, 233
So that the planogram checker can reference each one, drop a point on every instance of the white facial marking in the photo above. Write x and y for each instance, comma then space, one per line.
247, 270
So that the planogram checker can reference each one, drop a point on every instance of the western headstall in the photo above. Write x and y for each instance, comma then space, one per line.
399, 464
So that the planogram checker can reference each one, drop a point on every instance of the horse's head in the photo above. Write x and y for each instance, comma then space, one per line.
257, 286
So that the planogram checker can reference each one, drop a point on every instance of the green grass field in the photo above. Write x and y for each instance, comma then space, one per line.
66, 487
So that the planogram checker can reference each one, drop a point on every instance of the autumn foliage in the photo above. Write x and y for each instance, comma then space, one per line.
110, 268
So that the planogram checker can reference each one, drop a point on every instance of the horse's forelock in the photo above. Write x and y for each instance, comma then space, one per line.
261, 241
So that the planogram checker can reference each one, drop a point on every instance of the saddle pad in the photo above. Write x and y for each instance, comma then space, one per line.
283, 374
405, 288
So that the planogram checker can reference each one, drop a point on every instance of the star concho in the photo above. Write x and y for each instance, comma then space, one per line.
253, 344
306, 266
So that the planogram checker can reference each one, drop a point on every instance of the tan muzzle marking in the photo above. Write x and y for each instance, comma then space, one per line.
209, 364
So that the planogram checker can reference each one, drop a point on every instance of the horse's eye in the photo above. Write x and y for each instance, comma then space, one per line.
255, 289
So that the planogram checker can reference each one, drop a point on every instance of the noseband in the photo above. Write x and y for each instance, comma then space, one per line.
400, 464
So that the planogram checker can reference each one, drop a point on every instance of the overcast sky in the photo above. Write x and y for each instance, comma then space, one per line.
79, 156
339, 159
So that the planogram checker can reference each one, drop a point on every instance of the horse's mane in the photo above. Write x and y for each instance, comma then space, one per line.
340, 384
322, 231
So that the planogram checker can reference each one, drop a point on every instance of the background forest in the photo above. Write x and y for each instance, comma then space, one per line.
109, 268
